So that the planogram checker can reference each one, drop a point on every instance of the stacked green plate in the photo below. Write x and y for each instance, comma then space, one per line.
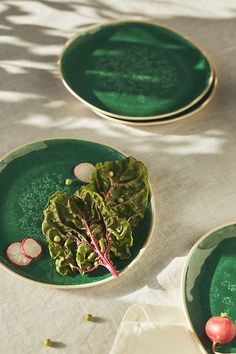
137, 72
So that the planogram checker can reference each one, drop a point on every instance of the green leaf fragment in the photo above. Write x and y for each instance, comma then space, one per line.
55, 250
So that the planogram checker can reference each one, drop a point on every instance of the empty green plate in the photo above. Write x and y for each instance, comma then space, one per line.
209, 283
28, 176
187, 113
135, 70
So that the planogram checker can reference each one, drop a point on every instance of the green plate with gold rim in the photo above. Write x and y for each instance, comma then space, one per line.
28, 176
209, 283
135, 70
187, 113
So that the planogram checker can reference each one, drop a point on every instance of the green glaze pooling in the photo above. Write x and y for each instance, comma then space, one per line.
135, 69
28, 176
210, 282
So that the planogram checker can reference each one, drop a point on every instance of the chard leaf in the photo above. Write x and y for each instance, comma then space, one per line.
63, 266
55, 250
90, 232
124, 186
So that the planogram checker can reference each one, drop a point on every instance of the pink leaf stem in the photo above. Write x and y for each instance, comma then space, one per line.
110, 189
103, 256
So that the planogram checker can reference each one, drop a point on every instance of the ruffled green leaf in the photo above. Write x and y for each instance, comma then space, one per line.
124, 186
63, 266
90, 232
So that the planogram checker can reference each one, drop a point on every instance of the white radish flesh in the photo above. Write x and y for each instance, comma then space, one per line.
15, 256
31, 248
83, 171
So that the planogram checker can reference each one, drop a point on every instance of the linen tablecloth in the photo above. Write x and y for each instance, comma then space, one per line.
192, 163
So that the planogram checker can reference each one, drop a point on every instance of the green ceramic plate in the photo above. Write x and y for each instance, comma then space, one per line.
135, 70
187, 113
28, 176
209, 282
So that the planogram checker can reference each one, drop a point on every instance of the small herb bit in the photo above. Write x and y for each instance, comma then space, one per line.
111, 173
120, 200
89, 317
47, 342
68, 181
57, 239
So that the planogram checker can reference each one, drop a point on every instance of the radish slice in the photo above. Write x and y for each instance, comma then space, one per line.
83, 171
15, 256
31, 248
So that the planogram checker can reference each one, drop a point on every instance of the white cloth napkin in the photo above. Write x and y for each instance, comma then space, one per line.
148, 329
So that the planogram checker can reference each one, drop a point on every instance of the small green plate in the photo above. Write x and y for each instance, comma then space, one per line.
187, 113
28, 176
209, 283
135, 70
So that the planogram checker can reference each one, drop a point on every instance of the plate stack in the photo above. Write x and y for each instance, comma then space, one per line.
137, 72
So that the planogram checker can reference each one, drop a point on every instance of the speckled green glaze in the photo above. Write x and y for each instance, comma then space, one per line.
28, 176
195, 108
210, 282
135, 69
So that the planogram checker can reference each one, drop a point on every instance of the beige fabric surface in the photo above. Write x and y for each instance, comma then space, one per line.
192, 163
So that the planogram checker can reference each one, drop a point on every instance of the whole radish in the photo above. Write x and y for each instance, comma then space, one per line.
220, 329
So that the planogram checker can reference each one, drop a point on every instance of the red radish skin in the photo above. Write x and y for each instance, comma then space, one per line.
15, 256
220, 329
31, 248
22, 249
83, 171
